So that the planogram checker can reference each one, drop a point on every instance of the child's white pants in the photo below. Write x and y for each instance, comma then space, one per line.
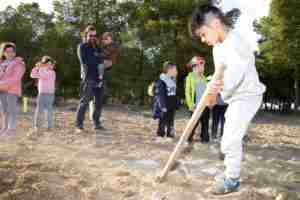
238, 117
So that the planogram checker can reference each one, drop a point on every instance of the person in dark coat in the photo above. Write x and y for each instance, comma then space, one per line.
90, 57
165, 101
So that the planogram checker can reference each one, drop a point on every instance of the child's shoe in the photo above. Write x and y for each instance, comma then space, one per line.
160, 134
2, 131
9, 133
226, 186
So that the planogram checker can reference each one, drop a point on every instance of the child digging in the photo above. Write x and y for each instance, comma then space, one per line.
240, 87
165, 101
44, 72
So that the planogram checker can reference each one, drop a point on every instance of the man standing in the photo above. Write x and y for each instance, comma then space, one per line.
90, 56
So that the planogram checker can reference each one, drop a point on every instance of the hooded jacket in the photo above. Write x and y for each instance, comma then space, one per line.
11, 76
190, 89
89, 58
164, 96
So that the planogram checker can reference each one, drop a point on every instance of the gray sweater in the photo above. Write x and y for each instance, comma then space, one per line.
200, 88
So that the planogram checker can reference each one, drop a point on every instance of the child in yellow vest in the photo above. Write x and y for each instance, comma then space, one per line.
194, 89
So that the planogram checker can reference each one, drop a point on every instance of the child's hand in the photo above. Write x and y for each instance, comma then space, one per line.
193, 109
215, 86
101, 76
211, 100
108, 64
19, 60
164, 110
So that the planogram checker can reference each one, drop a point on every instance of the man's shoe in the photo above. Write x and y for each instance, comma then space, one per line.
99, 128
226, 186
79, 130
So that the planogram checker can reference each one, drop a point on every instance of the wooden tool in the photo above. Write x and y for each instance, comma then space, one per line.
218, 75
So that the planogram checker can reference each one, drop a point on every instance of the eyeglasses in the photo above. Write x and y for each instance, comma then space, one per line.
92, 36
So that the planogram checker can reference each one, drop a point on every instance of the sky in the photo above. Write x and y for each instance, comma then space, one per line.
251, 10
46, 5
255, 7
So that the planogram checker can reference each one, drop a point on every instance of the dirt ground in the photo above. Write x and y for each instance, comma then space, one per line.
121, 163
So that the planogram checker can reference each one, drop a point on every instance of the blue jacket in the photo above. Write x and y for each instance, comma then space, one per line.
162, 101
89, 59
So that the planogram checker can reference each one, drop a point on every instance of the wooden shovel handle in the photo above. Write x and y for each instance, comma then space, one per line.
218, 75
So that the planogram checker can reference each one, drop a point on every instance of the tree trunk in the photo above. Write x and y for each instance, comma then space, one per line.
140, 76
296, 87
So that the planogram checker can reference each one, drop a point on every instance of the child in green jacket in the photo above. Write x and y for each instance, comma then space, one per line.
196, 81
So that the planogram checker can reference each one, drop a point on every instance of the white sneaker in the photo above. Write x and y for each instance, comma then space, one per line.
79, 130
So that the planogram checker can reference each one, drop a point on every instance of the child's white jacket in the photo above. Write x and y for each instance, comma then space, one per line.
240, 76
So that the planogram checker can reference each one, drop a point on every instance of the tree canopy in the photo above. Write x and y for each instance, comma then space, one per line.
149, 32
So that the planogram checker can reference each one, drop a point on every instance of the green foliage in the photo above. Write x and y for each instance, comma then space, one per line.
280, 49
150, 32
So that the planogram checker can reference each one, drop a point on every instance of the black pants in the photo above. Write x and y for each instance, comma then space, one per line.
90, 91
218, 119
166, 124
204, 120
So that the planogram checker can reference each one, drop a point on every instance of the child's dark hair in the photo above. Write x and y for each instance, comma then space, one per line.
168, 65
202, 14
5, 46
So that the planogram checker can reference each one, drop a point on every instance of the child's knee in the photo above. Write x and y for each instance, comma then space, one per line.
232, 144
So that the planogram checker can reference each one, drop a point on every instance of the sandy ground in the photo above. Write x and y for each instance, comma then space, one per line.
122, 162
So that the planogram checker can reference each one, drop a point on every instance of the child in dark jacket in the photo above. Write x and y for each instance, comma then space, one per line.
165, 101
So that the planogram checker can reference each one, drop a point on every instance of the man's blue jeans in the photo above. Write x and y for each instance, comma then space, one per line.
90, 91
